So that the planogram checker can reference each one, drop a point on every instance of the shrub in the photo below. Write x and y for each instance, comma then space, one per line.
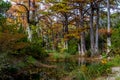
72, 46
96, 70
115, 61
115, 49
36, 50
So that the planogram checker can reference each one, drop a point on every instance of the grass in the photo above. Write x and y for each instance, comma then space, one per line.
91, 71
117, 78
58, 55
115, 61
95, 70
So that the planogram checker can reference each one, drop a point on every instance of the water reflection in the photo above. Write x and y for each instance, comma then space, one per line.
63, 69
81, 61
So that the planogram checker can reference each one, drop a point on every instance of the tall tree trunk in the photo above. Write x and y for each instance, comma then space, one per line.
77, 24
108, 27
83, 47
66, 29
33, 9
29, 10
28, 27
29, 33
97, 33
92, 42
79, 48
53, 40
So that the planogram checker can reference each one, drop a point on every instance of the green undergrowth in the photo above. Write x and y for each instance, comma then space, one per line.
117, 78
58, 55
115, 61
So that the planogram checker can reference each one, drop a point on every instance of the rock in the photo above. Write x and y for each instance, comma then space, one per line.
115, 69
115, 73
118, 75
101, 78
110, 78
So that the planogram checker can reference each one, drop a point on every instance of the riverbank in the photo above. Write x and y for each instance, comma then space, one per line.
114, 75
105, 69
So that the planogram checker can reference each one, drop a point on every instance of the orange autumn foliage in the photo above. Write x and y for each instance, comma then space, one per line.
12, 41
103, 31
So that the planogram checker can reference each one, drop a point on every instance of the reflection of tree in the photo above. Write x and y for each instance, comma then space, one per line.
81, 61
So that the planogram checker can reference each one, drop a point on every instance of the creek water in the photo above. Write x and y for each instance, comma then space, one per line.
62, 70
53, 70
